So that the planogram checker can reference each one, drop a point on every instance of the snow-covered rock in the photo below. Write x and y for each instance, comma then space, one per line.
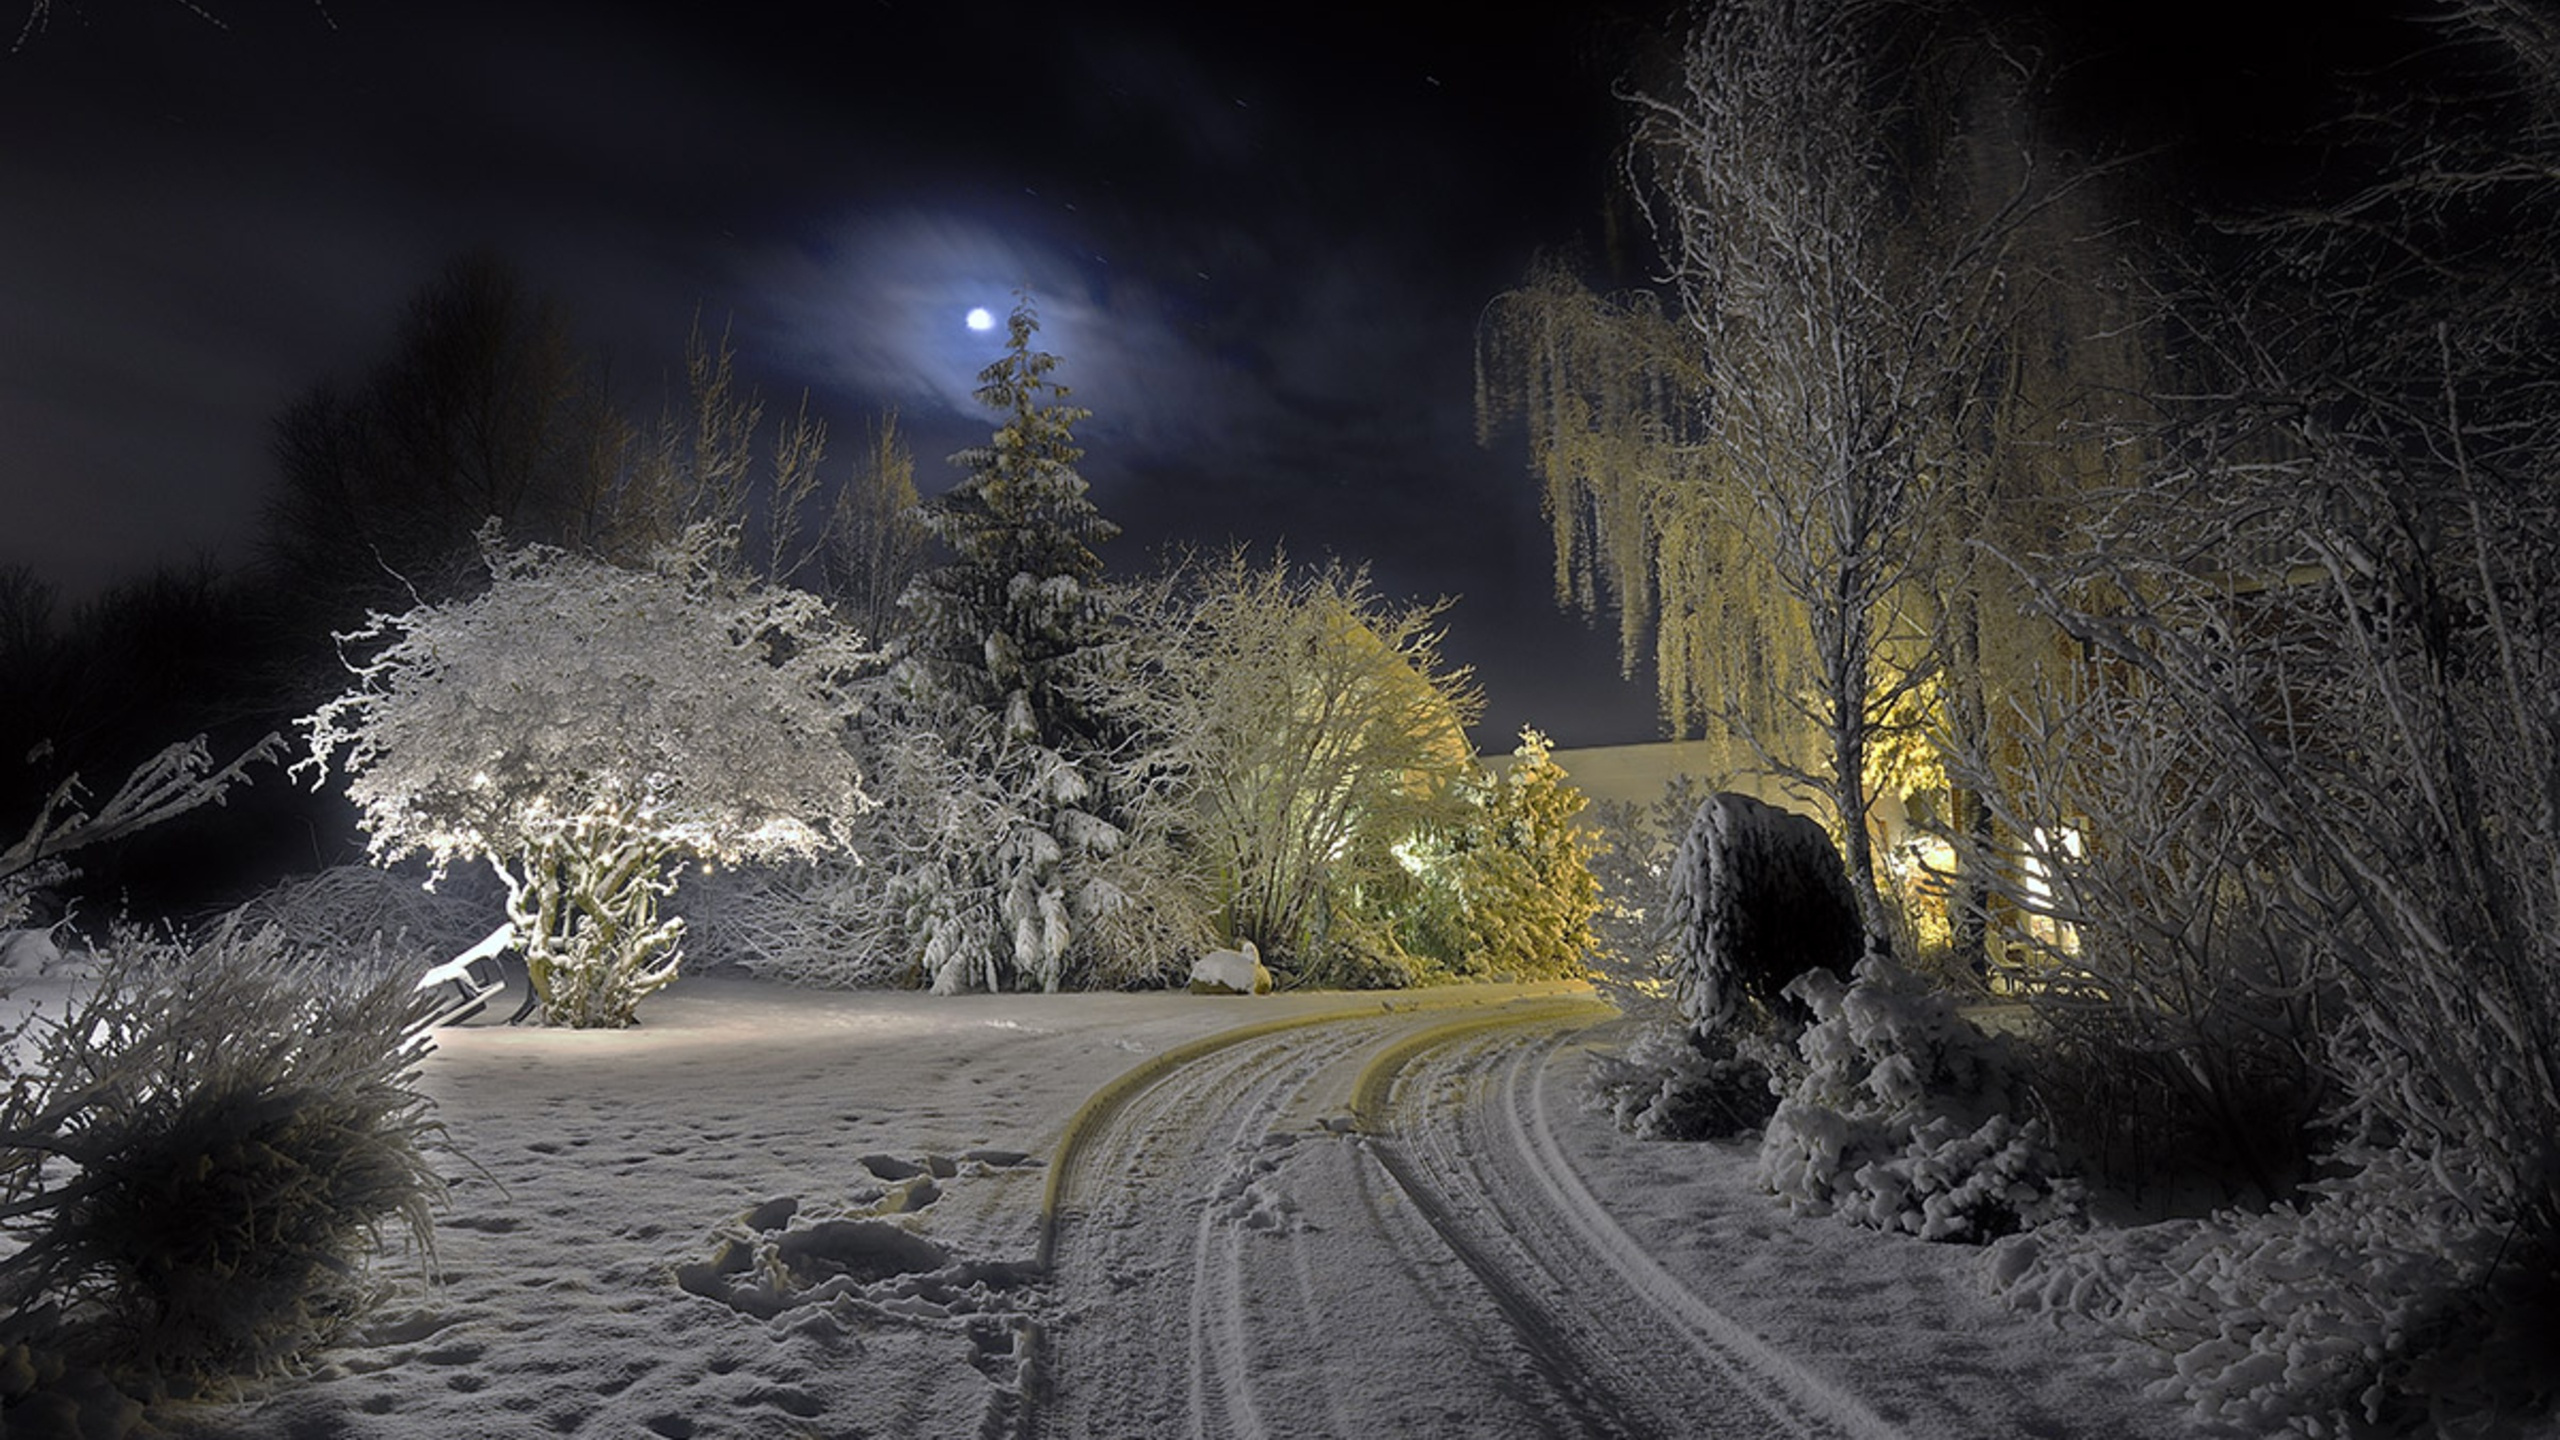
1231, 972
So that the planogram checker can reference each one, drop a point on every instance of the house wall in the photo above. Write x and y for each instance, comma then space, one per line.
1639, 773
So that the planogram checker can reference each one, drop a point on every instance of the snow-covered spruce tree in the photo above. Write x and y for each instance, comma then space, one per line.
1531, 895
586, 729
1003, 760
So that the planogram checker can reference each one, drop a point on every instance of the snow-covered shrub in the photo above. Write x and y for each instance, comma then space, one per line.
349, 908
2390, 1303
1758, 897
1903, 1117
800, 922
197, 1157
1299, 737
1672, 1083
587, 729
2179, 1025
2221, 1097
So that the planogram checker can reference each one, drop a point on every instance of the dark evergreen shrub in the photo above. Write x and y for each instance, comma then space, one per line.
1758, 897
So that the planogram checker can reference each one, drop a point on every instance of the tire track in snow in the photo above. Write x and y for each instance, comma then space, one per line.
1476, 1129
1171, 1238
1136, 1180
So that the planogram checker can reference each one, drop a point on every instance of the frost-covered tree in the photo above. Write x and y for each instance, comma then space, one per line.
990, 712
1836, 327
1297, 727
1509, 890
585, 729
484, 407
1775, 458
2330, 612
180, 778
874, 544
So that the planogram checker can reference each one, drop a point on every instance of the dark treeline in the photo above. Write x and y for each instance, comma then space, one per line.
484, 408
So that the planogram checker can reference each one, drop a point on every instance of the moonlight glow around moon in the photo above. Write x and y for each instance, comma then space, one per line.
981, 319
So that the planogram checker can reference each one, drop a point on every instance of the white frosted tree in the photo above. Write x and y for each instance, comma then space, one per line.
586, 730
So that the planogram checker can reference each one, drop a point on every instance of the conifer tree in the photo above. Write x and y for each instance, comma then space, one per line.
1000, 634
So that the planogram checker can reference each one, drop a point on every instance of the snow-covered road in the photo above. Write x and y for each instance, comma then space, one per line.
1367, 1226
780, 1213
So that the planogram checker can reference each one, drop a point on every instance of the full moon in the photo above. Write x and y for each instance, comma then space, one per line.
980, 319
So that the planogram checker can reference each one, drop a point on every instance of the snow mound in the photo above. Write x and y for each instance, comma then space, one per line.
33, 955
844, 1272
2370, 1309
1231, 972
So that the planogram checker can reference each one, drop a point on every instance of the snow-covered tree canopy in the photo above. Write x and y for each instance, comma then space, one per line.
580, 726
712, 713
1304, 723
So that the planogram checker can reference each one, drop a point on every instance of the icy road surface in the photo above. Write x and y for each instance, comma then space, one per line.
775, 1213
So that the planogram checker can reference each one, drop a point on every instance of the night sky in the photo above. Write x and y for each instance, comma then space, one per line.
1258, 237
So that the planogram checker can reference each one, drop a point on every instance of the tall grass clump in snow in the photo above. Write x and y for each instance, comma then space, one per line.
196, 1159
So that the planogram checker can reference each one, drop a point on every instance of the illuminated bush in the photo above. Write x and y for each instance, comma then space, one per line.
1296, 729
1507, 890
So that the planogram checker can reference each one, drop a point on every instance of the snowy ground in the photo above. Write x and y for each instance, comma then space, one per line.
771, 1212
